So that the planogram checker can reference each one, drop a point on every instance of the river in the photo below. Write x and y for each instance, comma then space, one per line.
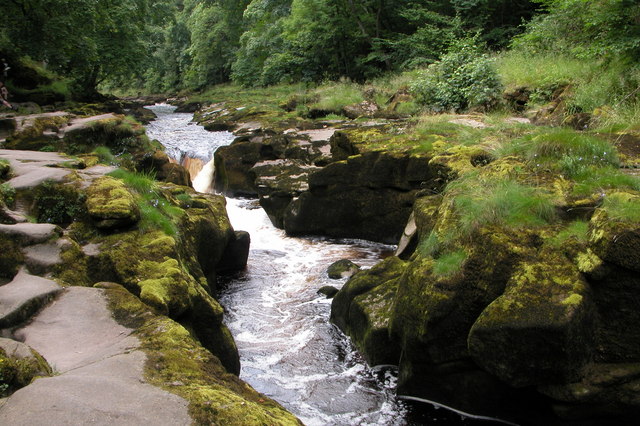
288, 349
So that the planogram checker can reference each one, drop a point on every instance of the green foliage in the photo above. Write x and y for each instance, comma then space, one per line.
481, 202
105, 156
58, 203
450, 263
464, 78
577, 230
7, 194
563, 150
156, 212
621, 207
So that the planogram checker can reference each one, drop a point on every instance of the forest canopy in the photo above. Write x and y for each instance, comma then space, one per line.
172, 45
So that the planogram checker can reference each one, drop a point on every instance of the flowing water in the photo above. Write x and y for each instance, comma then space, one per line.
289, 351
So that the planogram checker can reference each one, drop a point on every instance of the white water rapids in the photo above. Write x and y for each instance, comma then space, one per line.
289, 351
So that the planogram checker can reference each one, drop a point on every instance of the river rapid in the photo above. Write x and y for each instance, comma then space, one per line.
288, 349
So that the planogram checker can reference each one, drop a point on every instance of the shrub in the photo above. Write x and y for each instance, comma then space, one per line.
464, 78
58, 203
7, 194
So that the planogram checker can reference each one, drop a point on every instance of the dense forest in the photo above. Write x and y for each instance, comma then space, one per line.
172, 46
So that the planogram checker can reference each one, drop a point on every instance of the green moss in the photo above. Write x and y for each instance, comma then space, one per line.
17, 373
11, 257
59, 203
449, 264
73, 270
111, 204
178, 364
166, 287
577, 230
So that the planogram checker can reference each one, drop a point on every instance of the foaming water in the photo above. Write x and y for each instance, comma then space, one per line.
288, 349
182, 137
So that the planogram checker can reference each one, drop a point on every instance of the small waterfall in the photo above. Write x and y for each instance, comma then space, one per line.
289, 350
203, 182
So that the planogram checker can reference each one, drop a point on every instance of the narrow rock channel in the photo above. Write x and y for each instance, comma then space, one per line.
289, 350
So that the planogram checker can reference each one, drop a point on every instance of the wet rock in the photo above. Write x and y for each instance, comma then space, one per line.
362, 309
236, 253
369, 196
342, 269
328, 291
541, 329
165, 170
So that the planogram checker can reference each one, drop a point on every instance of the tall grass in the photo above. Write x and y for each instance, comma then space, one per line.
335, 96
622, 207
480, 202
155, 210
542, 71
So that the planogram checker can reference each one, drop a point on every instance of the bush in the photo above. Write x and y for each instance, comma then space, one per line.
464, 78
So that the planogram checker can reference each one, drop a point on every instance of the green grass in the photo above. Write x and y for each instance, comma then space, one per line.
591, 179
155, 210
480, 202
543, 71
105, 155
449, 264
622, 207
335, 96
562, 149
577, 230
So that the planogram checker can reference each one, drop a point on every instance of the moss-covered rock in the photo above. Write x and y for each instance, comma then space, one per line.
615, 231
178, 364
362, 310
541, 329
37, 131
607, 393
343, 268
110, 204
11, 257
149, 266
433, 313
19, 365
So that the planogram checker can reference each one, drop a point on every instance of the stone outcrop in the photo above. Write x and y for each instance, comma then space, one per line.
154, 252
529, 316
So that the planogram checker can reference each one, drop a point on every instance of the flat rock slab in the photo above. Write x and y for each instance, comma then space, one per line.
42, 258
23, 297
31, 233
31, 168
106, 393
101, 378
82, 123
77, 330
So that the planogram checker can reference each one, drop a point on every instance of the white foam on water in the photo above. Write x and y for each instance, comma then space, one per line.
288, 349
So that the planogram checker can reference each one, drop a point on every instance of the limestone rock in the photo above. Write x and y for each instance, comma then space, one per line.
110, 204
24, 296
342, 269
541, 329
328, 291
19, 365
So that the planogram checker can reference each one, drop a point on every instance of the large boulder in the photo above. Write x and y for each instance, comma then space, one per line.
362, 309
540, 331
111, 205
370, 196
